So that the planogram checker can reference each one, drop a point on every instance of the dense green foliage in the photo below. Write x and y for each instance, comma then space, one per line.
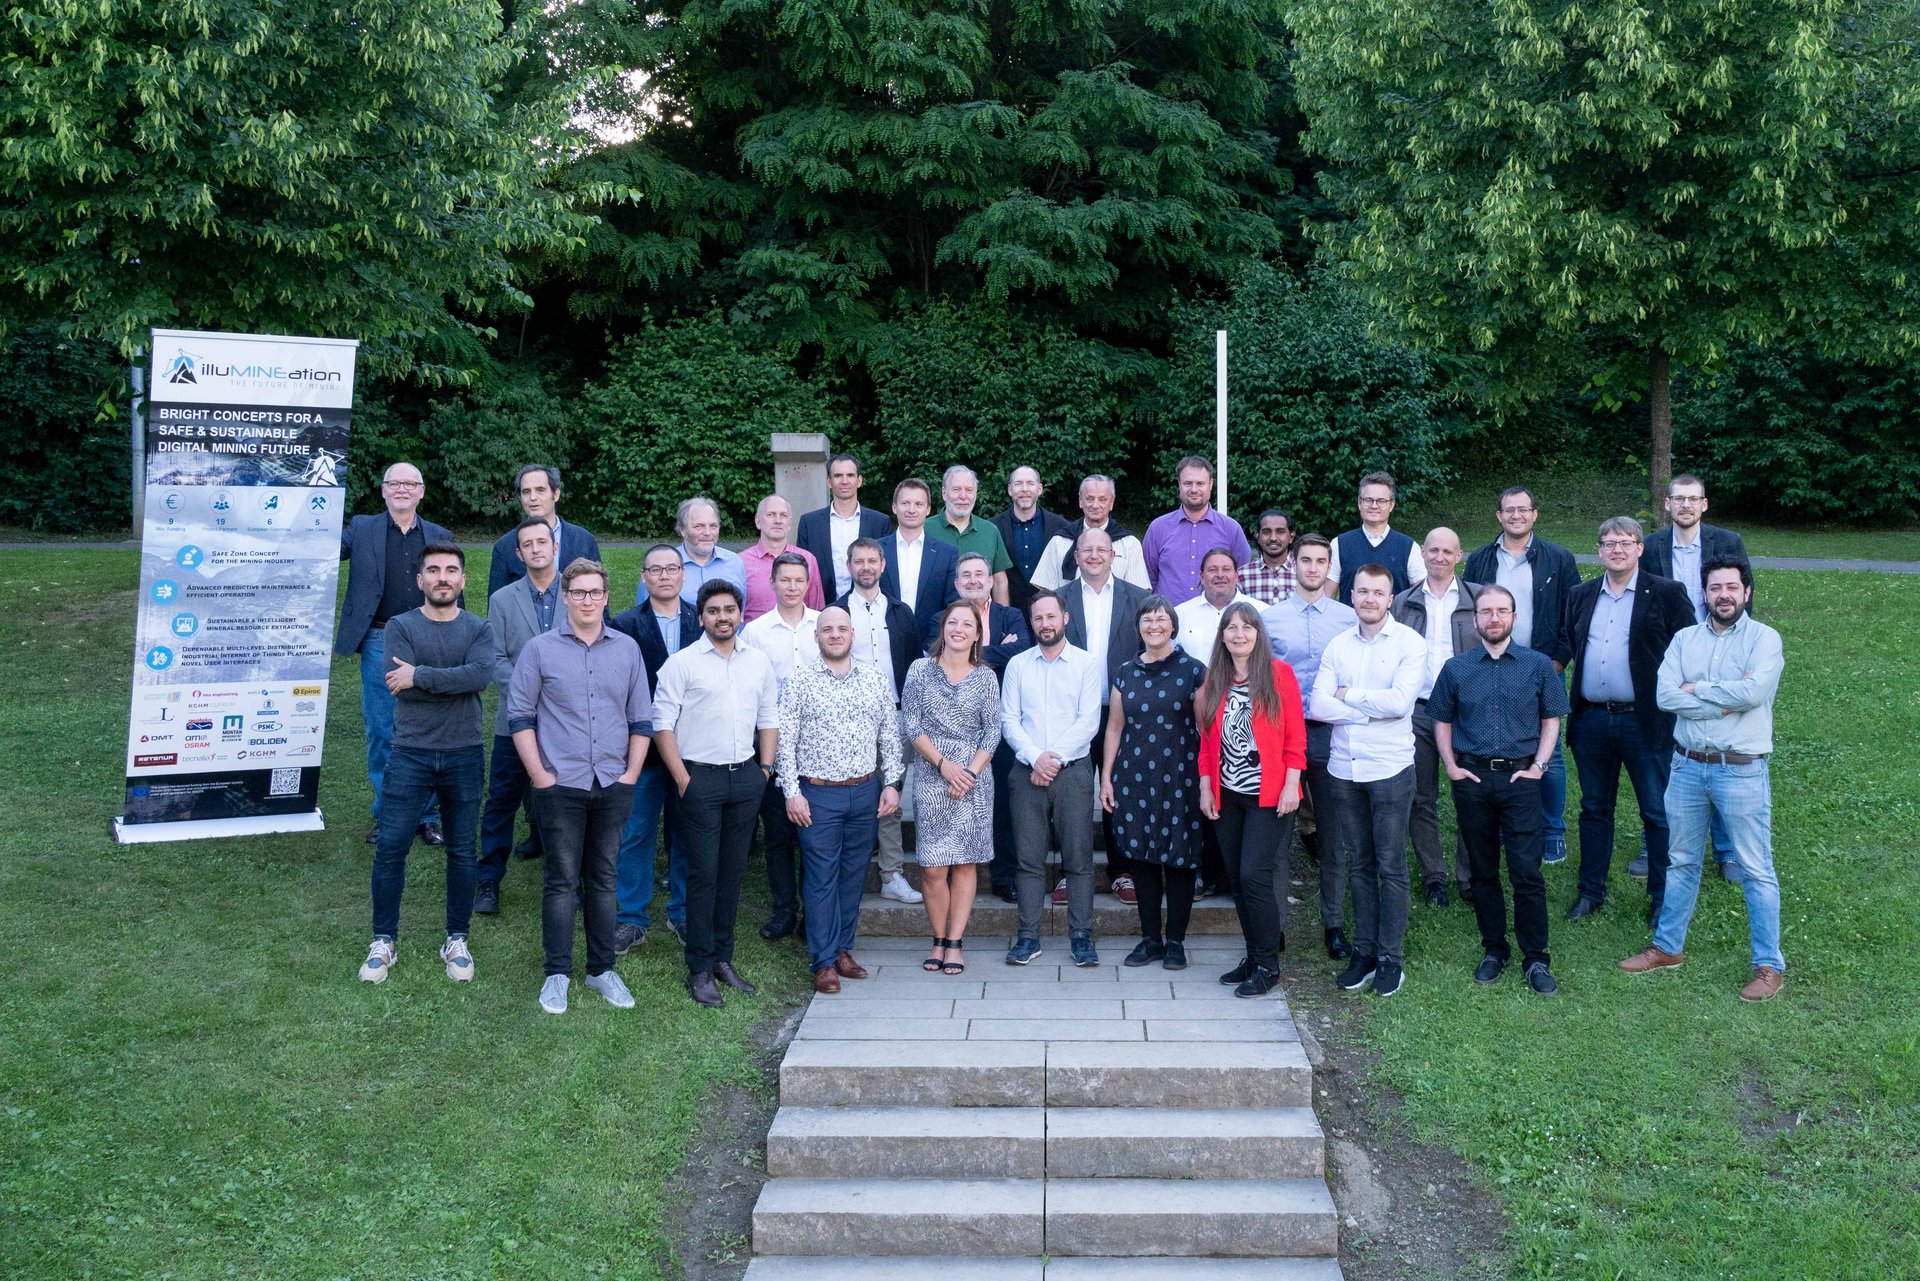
64, 459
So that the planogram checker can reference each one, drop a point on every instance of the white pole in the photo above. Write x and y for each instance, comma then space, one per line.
1220, 418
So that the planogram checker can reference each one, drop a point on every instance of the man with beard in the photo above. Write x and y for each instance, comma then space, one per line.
1269, 575
1178, 542
1496, 714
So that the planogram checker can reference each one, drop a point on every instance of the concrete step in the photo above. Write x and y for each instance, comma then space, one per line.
1113, 921
801, 1268
1182, 1143
1096, 1269
965, 1218
907, 1143
1238, 1218
1252, 1074
897, 1073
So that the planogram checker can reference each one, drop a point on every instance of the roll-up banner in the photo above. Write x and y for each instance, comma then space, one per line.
246, 472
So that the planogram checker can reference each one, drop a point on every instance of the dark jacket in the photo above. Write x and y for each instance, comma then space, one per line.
575, 542
1019, 590
1660, 608
814, 533
1715, 544
1123, 638
1410, 610
363, 545
1555, 575
638, 624
903, 636
938, 560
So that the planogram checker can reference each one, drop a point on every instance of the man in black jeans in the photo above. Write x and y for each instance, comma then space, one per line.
716, 709
1496, 718
580, 717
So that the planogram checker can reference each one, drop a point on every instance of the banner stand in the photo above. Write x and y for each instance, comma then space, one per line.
199, 829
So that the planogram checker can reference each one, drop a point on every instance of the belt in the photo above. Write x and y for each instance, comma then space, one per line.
1495, 764
1078, 760
1718, 758
737, 765
838, 782
1616, 708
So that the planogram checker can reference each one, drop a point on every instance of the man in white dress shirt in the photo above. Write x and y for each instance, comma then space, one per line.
785, 635
1198, 619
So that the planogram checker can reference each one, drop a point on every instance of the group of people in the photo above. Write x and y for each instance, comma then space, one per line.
1009, 682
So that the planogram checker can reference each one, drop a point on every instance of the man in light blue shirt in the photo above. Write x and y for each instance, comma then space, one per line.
702, 559
1720, 678
1050, 700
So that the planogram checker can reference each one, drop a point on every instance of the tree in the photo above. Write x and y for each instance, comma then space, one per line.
309, 167
1606, 186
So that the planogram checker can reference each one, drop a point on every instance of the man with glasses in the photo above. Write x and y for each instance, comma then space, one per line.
1376, 542
1619, 626
1540, 576
383, 555
581, 718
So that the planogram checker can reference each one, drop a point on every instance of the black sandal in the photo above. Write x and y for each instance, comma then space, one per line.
934, 964
951, 966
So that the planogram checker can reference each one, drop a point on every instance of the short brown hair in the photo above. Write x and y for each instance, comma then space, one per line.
1312, 540
914, 482
580, 567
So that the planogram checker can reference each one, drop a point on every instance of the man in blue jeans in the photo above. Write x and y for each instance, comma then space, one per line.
1720, 678
439, 658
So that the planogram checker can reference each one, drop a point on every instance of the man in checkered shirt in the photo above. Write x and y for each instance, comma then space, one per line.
1269, 575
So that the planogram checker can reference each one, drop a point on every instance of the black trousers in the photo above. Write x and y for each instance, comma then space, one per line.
1004, 869
717, 813
1150, 880
1333, 863
581, 832
1254, 841
779, 842
1493, 812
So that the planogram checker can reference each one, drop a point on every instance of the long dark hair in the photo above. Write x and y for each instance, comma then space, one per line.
1266, 698
939, 645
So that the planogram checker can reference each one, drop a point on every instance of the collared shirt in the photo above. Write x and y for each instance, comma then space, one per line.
1439, 629
837, 727
1299, 631
1029, 540
1373, 724
400, 587
669, 625
1098, 608
1416, 567
1605, 676
546, 603
786, 645
1267, 583
872, 639
581, 701
910, 554
841, 533
979, 536
1495, 705
1197, 623
756, 565
1051, 704
715, 704
1175, 546
1515, 573
1735, 675
723, 565
1686, 572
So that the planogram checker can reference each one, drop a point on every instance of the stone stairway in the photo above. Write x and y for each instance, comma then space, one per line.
1048, 1121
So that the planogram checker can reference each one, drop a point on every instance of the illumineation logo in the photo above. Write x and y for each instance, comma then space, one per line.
181, 369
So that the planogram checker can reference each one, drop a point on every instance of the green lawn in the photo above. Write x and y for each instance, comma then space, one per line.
194, 1084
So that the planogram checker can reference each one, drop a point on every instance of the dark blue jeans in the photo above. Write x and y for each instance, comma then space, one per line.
834, 852
376, 716
413, 783
1004, 869
1604, 743
653, 799
507, 786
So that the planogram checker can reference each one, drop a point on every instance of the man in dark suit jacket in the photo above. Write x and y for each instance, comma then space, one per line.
871, 608
1682, 547
1026, 528
933, 588
1619, 625
383, 561
816, 531
662, 625
538, 487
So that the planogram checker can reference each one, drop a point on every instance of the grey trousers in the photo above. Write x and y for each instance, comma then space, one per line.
1063, 809
893, 849
1425, 821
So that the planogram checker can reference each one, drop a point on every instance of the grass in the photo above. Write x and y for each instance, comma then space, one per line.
192, 1082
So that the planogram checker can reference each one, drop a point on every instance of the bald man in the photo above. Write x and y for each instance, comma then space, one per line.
1439, 607
1026, 528
774, 519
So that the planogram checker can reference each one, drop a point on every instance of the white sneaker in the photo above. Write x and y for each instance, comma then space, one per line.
896, 888
459, 960
380, 958
553, 994
610, 986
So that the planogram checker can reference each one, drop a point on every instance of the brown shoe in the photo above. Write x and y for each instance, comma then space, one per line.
1653, 959
1765, 986
849, 968
724, 971
826, 980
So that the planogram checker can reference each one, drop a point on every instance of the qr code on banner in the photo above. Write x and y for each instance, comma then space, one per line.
286, 782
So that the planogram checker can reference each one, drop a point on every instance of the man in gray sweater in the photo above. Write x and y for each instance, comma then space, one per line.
438, 659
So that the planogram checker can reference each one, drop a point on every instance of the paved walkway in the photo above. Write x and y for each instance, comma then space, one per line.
1021, 1122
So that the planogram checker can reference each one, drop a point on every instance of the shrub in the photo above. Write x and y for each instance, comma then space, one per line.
65, 465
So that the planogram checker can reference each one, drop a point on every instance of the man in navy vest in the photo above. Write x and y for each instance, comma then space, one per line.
1376, 542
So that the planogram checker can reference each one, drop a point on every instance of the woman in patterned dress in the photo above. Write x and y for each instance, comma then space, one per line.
950, 715
1150, 781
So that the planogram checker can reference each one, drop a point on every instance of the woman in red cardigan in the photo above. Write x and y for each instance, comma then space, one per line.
1253, 747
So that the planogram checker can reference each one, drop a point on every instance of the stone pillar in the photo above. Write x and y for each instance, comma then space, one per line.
800, 469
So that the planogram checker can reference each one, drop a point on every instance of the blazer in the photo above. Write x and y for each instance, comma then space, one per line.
814, 532
1715, 544
1002, 620
938, 561
363, 545
513, 621
903, 637
575, 542
1660, 608
1410, 610
653, 651
1019, 590
1555, 575
1123, 638
1282, 743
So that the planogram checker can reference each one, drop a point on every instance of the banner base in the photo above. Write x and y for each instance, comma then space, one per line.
199, 829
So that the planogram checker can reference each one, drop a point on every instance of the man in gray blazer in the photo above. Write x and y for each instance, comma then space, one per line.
517, 613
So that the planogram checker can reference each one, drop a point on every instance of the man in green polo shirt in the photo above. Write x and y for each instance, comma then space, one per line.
959, 489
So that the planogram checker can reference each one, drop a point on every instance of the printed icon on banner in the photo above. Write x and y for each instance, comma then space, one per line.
172, 502
159, 658
185, 624
272, 503
164, 590
180, 369
223, 501
189, 557
317, 503
322, 471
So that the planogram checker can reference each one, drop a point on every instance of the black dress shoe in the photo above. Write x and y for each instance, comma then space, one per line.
1585, 905
1006, 894
373, 834
429, 834
1145, 952
778, 928
1338, 948
486, 898
1437, 896
724, 971
700, 987
1176, 957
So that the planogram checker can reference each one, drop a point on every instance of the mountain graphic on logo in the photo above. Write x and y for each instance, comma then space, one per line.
181, 369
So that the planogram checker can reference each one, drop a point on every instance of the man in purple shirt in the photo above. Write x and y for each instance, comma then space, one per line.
1177, 542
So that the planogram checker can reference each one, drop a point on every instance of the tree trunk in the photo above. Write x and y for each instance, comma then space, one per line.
1660, 420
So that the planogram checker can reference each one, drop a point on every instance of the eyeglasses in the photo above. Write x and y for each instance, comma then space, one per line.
403, 484
1618, 544
1493, 613
1517, 511
663, 569
1375, 502
584, 594
1687, 500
